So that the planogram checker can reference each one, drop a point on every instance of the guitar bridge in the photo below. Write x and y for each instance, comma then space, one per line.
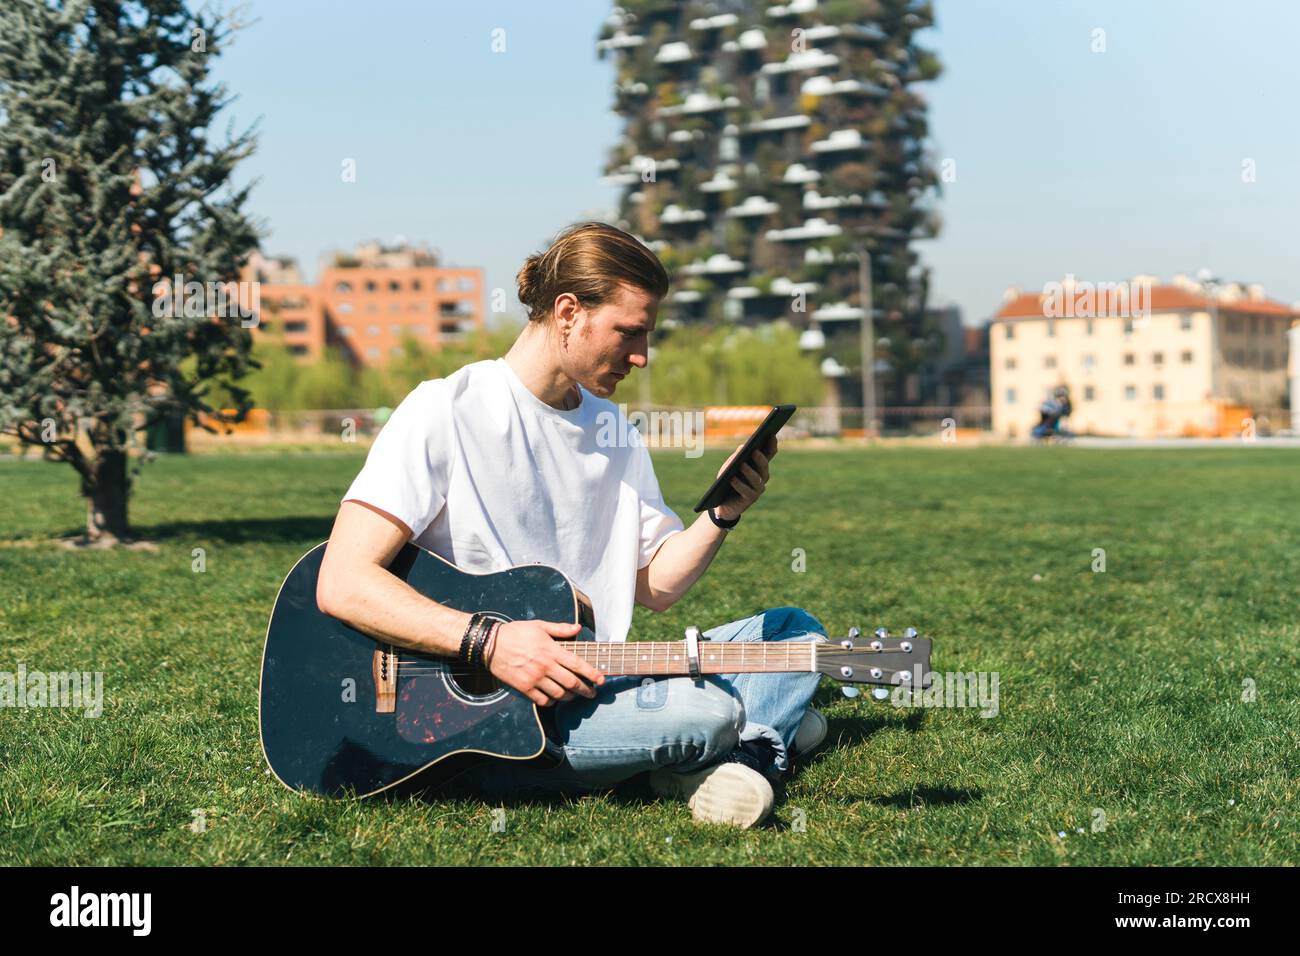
384, 667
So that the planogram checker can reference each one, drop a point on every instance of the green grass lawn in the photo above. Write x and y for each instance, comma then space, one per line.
1120, 692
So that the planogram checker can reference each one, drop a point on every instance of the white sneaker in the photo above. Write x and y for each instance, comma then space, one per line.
811, 732
724, 793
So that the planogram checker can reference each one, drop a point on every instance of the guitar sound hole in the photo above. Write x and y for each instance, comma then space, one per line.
476, 684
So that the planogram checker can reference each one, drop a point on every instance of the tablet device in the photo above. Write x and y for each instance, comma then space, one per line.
721, 489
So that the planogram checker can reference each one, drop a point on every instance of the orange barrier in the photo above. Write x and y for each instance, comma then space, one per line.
733, 421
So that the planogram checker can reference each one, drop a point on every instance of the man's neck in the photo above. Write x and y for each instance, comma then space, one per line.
532, 358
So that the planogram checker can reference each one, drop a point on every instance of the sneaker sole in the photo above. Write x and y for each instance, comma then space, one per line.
726, 793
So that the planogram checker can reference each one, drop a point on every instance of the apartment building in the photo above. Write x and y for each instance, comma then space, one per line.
366, 302
1176, 359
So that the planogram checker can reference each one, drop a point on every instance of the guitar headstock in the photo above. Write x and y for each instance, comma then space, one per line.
880, 659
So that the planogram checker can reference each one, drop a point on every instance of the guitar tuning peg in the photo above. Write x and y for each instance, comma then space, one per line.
880, 693
910, 633
854, 634
882, 633
849, 692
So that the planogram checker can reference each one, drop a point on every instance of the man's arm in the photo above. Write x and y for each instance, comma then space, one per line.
684, 557
678, 564
356, 587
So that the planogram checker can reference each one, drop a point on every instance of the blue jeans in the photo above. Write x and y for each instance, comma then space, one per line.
636, 724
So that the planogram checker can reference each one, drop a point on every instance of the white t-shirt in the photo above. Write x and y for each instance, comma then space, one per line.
488, 476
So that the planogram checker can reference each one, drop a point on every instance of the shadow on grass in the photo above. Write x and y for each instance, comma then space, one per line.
306, 530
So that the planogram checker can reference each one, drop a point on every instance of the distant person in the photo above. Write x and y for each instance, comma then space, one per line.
1050, 414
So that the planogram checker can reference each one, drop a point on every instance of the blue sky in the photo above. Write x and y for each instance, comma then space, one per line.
1103, 164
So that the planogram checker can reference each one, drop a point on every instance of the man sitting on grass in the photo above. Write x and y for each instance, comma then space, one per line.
502, 463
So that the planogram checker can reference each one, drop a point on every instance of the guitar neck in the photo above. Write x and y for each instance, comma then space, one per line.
720, 657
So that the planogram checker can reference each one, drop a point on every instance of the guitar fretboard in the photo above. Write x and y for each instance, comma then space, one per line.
720, 657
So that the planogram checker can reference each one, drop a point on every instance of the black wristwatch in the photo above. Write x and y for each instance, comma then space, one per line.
724, 525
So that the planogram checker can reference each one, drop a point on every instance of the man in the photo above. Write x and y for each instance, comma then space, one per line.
510, 461
1051, 412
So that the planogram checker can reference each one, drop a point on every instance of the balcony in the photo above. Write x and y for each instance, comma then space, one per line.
793, 8
753, 206
674, 52
825, 86
804, 60
839, 140
697, 103
674, 214
837, 312
715, 23
717, 264
812, 229
777, 124
799, 174
621, 40
721, 182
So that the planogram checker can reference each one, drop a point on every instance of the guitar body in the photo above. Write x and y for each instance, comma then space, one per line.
343, 715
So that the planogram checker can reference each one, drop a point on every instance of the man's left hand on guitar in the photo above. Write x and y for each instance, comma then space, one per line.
750, 486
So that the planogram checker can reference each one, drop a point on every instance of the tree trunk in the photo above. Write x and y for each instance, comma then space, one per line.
106, 498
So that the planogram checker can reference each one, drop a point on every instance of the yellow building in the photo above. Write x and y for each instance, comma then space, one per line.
1142, 359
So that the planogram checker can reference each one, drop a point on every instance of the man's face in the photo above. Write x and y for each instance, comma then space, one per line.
610, 341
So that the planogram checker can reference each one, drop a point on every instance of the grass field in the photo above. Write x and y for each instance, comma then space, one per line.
1125, 693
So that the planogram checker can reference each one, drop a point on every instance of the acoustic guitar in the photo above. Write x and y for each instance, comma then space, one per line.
345, 715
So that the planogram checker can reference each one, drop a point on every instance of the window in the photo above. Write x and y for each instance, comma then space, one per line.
1011, 363
297, 350
1185, 322
295, 326
395, 307
1254, 325
1128, 326
345, 307
1187, 357
1011, 330
372, 308
343, 288
1089, 393
1157, 358
394, 285
395, 329
370, 287
1268, 358
1089, 362
1011, 395
372, 353
417, 306
372, 330
345, 331
415, 285
448, 328
1051, 328
1233, 324
1049, 361
1158, 392
1128, 358
466, 284
1130, 392
444, 285
1088, 327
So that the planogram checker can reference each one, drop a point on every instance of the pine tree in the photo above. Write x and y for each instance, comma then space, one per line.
109, 190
